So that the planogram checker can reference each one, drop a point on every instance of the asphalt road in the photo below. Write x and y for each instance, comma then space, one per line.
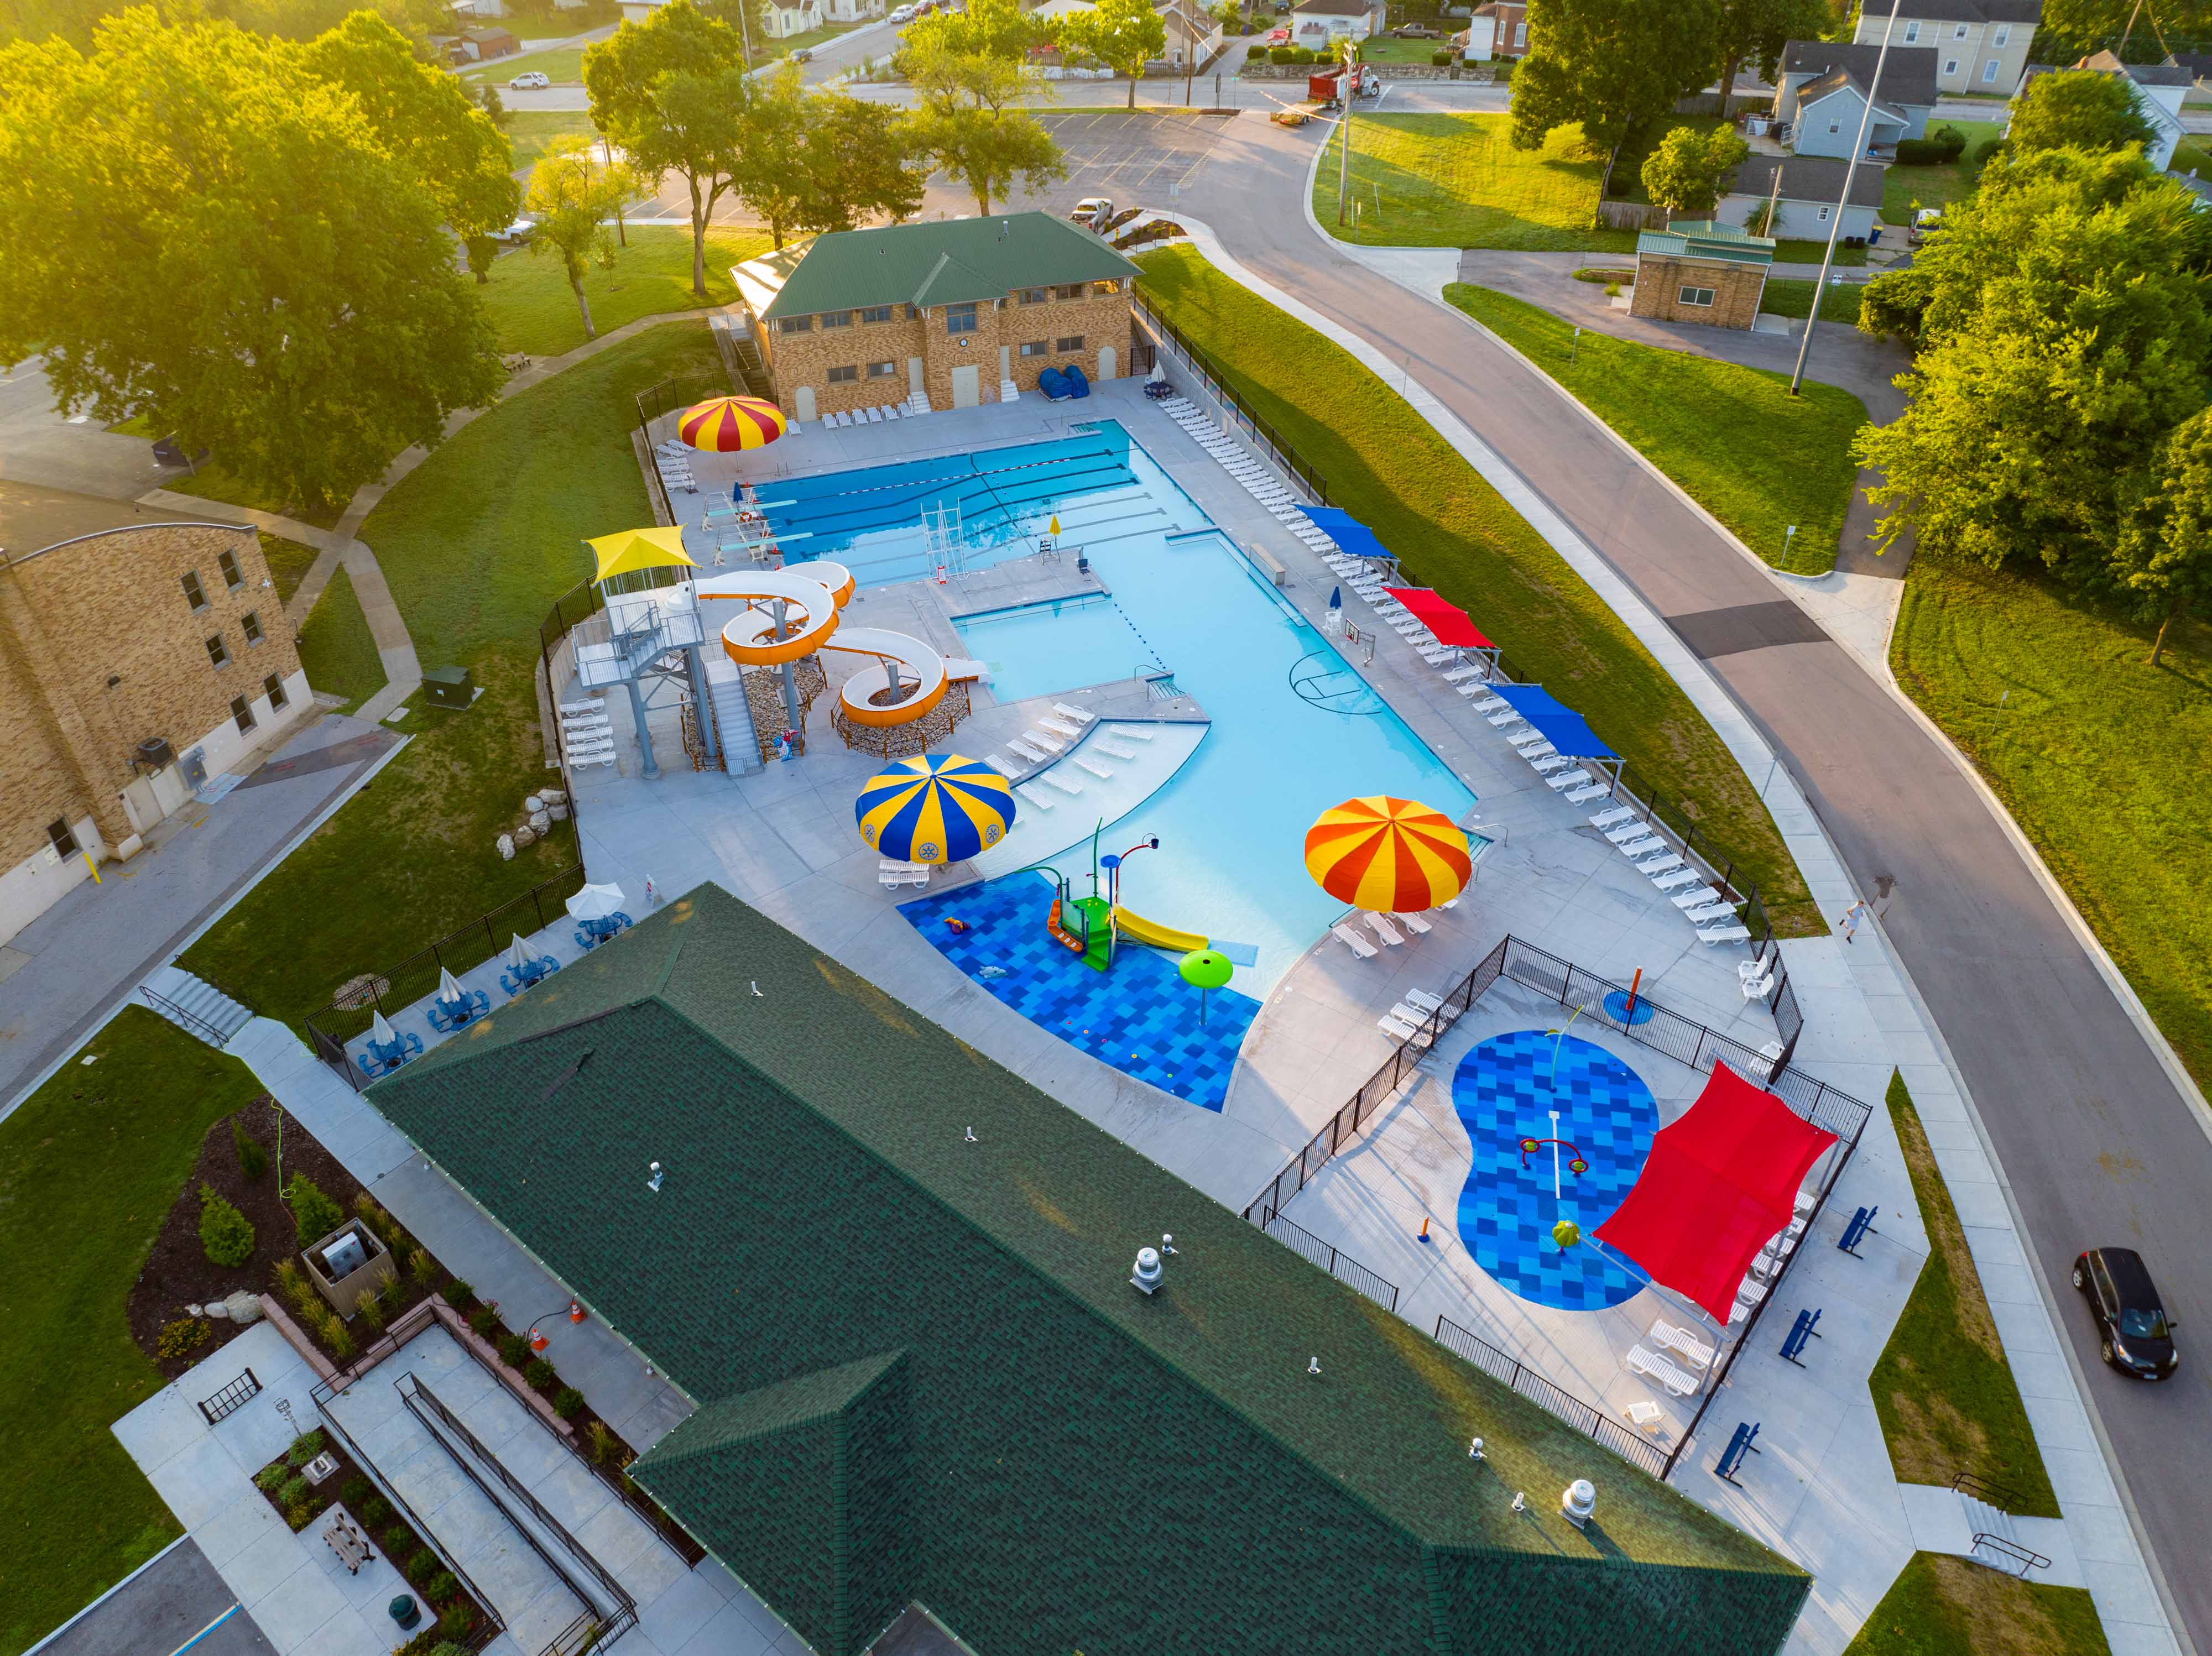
161, 1608
2097, 1143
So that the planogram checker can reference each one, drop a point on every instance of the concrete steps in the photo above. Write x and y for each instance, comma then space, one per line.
198, 1007
1009, 392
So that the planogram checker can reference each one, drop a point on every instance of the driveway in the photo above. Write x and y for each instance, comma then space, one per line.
155, 1611
2096, 1141
38, 446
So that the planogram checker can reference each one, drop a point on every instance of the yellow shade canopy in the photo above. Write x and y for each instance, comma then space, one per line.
638, 549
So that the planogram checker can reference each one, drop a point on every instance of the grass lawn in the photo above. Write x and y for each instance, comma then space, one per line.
89, 1165
2099, 756
530, 305
288, 563
2192, 155
1904, 188
1946, 1396
1940, 1605
532, 131
1732, 438
336, 647
1454, 181
566, 65
212, 482
1379, 51
1388, 466
805, 40
1790, 252
1789, 297
477, 543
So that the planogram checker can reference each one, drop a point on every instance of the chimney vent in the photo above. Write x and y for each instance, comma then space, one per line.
1148, 1278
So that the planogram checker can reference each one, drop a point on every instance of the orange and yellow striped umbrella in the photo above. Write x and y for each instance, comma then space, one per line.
726, 424
1388, 855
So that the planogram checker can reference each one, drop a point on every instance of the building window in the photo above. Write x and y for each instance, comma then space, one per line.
1950, 66
195, 594
242, 712
218, 653
1989, 71
1958, 32
914, 313
1037, 348
1069, 342
836, 319
2003, 39
1698, 296
844, 376
793, 324
1073, 290
877, 313
251, 622
273, 687
1034, 295
882, 370
959, 318
231, 578
1912, 33
64, 842
1520, 35
1835, 126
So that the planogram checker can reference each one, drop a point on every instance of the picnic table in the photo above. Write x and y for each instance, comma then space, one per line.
515, 979
451, 1015
591, 933
382, 1058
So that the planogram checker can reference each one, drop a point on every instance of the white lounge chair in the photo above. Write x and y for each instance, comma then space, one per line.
1092, 765
1681, 1340
1054, 778
1401, 1030
1487, 700
1413, 923
1670, 879
1429, 1002
1613, 818
1351, 940
1000, 766
1111, 750
1039, 739
1623, 832
1383, 929
1634, 849
1061, 727
1703, 897
1645, 1416
1758, 988
1075, 713
1036, 795
1717, 934
1652, 1366
893, 873
1583, 796
1564, 780
1132, 733
1028, 750
1528, 738
1461, 672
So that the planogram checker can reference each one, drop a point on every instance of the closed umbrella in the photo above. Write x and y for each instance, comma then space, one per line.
596, 902
727, 424
379, 1031
449, 988
1388, 855
935, 808
517, 956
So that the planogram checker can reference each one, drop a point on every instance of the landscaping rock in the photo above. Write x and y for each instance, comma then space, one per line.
532, 805
551, 797
507, 848
524, 837
558, 813
541, 820
360, 992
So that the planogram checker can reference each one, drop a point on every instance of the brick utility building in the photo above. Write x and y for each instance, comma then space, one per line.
893, 1280
946, 314
1705, 272
138, 658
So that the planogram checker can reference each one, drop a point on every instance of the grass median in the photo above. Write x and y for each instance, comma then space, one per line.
1388, 467
1940, 1605
1732, 438
533, 309
89, 1166
336, 648
473, 569
2097, 754
1455, 181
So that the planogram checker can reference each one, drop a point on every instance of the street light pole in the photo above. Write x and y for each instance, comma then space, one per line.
1346, 93
1851, 171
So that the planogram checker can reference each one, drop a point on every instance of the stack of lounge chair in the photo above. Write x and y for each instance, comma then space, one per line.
587, 737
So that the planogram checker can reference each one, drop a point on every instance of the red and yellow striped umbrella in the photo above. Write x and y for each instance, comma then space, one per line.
1388, 855
726, 424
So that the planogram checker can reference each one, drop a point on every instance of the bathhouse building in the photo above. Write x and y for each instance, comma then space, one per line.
949, 314
894, 1282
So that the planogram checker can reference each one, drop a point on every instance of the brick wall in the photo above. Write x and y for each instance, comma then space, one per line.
1660, 281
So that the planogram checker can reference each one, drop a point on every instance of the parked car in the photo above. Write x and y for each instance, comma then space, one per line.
2131, 1321
1093, 212
1923, 221
517, 232
1417, 32
1280, 37
168, 451
530, 81
802, 54
902, 14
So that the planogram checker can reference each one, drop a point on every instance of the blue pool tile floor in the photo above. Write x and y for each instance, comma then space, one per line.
1503, 1090
1140, 1015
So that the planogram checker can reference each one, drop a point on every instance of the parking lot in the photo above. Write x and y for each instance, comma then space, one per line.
1133, 156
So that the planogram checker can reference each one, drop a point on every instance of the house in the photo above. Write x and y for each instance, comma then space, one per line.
1822, 91
1317, 22
639, 11
1705, 272
485, 44
142, 657
1809, 187
785, 20
1981, 45
2158, 90
889, 1280
853, 11
949, 314
1194, 33
1498, 28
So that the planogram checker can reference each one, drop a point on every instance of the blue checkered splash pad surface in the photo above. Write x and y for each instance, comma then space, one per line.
1139, 1015
1504, 1089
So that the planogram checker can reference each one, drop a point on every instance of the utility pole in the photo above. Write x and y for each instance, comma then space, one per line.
1836, 229
1345, 93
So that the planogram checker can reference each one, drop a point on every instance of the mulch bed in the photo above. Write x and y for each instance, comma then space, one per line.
177, 1272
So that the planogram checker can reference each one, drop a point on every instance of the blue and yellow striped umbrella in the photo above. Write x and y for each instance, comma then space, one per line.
935, 809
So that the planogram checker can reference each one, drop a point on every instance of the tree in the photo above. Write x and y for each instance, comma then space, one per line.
2077, 109
2064, 334
1689, 170
314, 1214
484, 94
1755, 32
988, 151
572, 196
1123, 35
424, 117
1617, 66
860, 161
2164, 557
671, 91
226, 1234
241, 259
988, 28
974, 80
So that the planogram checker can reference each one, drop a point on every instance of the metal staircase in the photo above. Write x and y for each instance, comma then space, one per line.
742, 358
195, 1005
731, 715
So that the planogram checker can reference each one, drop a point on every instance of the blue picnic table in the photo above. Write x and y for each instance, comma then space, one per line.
383, 1058
592, 933
515, 979
451, 1015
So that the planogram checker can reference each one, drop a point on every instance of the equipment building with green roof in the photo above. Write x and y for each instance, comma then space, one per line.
895, 1280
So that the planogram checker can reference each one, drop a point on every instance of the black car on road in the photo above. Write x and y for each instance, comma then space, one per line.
2138, 1339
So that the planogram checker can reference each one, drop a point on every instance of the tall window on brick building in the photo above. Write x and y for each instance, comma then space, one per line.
273, 687
242, 710
195, 594
844, 376
64, 842
232, 577
251, 624
218, 653
959, 318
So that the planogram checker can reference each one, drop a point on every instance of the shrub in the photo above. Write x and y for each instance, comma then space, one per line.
225, 1233
373, 1511
1305, 55
300, 1516
253, 1160
337, 1336
457, 1623
271, 1476
293, 1493
306, 1302
289, 1276
422, 1267
184, 1336
422, 1566
1255, 53
1440, 59
1282, 54
440, 1587
1613, 290
539, 1373
568, 1403
381, 1222
370, 1310
314, 1214
1985, 149
305, 1447
356, 1490
513, 1350
399, 1541
483, 1320
456, 1294
604, 1445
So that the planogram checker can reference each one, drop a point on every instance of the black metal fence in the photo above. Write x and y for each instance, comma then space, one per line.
1339, 1264
232, 1398
1585, 1417
349, 1015
1177, 345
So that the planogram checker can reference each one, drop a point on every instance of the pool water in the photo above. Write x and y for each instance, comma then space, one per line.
1503, 1091
1091, 640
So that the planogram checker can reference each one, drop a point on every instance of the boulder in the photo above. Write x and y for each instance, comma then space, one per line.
524, 837
541, 820
558, 813
532, 805
507, 848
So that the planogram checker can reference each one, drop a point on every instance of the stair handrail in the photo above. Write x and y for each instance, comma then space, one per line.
2027, 1557
192, 1022
2004, 1498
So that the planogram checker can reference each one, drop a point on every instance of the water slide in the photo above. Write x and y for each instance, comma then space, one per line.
1137, 929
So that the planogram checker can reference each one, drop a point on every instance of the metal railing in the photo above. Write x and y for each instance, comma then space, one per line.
1339, 1264
1999, 1496
1585, 1417
1286, 458
2006, 1548
189, 1022
331, 1028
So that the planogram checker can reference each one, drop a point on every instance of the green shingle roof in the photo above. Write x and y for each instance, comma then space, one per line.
943, 262
1708, 239
923, 1376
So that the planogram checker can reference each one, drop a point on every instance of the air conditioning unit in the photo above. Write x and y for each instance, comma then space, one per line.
155, 753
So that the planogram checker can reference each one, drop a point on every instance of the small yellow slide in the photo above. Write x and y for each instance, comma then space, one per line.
1137, 929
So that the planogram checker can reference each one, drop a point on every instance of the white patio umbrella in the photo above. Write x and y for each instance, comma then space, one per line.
517, 956
449, 987
380, 1032
596, 902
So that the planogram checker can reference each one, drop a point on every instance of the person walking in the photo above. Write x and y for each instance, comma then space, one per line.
1852, 916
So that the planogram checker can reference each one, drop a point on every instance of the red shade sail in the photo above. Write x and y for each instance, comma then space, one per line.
1717, 1184
1448, 622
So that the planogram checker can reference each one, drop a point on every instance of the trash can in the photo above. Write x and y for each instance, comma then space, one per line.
448, 687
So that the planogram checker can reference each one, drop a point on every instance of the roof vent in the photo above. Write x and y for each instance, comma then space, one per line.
654, 1183
1148, 1278
1577, 1501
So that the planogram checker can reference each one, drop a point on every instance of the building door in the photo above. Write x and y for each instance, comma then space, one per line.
803, 400
1106, 362
1006, 363
916, 385
967, 386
